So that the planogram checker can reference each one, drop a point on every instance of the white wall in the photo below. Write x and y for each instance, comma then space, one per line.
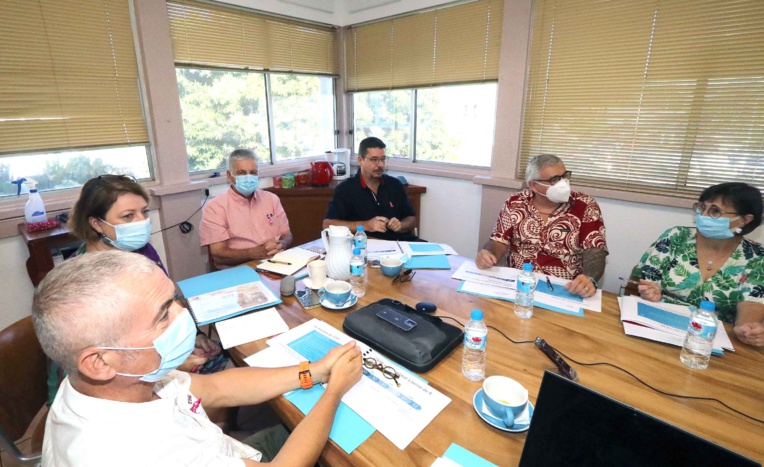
16, 288
450, 211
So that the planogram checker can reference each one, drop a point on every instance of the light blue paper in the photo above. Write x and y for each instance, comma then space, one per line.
579, 312
313, 346
426, 247
662, 316
559, 291
466, 458
428, 262
349, 430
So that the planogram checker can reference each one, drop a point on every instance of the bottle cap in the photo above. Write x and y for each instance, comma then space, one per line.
356, 251
707, 305
359, 228
527, 267
476, 315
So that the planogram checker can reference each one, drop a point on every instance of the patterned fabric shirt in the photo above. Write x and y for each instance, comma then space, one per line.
673, 262
555, 247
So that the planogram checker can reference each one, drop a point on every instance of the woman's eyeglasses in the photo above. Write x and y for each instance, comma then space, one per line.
404, 276
387, 371
711, 211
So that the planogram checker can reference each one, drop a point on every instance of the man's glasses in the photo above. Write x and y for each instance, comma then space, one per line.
377, 160
404, 276
711, 211
387, 371
557, 178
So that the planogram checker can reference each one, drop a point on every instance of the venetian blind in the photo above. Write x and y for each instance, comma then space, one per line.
657, 97
210, 35
458, 44
68, 76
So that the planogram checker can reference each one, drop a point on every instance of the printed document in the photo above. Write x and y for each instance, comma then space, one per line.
400, 413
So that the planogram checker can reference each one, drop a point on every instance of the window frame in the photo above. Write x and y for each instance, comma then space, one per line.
277, 167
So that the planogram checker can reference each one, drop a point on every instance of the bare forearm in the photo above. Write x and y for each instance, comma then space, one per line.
495, 248
408, 224
308, 439
594, 262
233, 257
247, 386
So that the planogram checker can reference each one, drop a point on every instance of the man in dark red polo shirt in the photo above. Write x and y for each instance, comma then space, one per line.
372, 199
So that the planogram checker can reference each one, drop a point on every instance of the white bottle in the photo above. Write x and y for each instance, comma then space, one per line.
34, 211
358, 273
699, 342
473, 357
359, 240
526, 285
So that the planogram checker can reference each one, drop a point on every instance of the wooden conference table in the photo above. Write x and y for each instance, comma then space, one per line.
735, 378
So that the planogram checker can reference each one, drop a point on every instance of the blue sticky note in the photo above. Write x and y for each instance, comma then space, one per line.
662, 316
426, 248
559, 291
466, 458
428, 262
349, 430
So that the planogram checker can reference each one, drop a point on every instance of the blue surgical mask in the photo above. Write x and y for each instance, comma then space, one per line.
130, 236
713, 227
174, 345
247, 184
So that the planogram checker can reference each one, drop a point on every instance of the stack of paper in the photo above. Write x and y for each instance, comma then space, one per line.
289, 261
423, 255
498, 282
663, 322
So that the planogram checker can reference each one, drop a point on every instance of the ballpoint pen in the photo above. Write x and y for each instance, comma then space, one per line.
663, 291
549, 283
278, 262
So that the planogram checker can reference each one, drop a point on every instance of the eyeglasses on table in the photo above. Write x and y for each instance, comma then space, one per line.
387, 371
404, 276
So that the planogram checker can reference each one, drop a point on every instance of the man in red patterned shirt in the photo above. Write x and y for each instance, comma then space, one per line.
560, 232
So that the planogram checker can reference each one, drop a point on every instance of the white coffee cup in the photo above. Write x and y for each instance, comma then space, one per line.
317, 273
505, 397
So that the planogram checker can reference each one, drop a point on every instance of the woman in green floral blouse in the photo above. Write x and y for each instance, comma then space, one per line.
712, 260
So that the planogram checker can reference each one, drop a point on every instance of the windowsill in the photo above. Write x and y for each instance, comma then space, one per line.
658, 200
271, 170
435, 169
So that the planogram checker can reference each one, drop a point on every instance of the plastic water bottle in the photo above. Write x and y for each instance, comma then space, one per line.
358, 273
473, 358
696, 351
359, 240
526, 285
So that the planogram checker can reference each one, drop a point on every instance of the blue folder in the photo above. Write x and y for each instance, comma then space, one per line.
219, 280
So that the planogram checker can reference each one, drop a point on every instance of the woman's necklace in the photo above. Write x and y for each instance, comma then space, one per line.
710, 262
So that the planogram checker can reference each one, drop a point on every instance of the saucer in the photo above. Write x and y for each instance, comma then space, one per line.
327, 304
309, 284
477, 403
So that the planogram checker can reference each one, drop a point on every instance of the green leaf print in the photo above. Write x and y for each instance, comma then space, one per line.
733, 270
696, 296
737, 254
708, 286
655, 261
756, 276
680, 270
723, 281
726, 305
690, 282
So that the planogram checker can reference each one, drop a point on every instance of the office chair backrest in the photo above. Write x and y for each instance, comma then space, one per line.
23, 372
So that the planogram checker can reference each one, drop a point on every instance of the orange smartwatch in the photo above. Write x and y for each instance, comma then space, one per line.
306, 381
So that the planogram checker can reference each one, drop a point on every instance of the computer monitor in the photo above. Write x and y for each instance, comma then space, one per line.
573, 425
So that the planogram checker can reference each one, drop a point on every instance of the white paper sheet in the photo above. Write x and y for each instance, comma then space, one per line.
498, 276
642, 326
399, 413
250, 327
378, 249
272, 357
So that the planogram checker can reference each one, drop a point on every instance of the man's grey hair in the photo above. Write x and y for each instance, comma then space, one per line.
537, 164
81, 303
241, 155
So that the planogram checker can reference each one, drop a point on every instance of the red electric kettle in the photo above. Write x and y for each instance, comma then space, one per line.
321, 173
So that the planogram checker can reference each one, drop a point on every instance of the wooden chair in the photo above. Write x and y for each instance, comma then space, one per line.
23, 393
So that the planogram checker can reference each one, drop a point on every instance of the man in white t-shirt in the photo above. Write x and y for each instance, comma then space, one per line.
111, 321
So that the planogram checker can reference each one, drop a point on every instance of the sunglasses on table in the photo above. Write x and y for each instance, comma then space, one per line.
387, 371
404, 276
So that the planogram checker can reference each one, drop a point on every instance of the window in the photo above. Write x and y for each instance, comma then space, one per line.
225, 110
660, 97
454, 124
70, 103
252, 80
